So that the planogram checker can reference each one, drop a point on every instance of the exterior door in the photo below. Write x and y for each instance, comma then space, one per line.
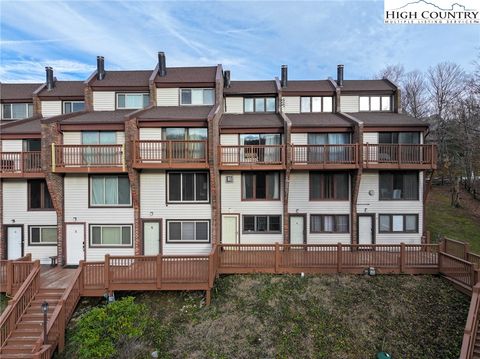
75, 243
366, 228
230, 229
14, 242
151, 238
297, 229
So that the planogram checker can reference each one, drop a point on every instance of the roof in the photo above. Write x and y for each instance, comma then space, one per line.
188, 75
367, 85
134, 78
322, 119
12, 92
64, 89
176, 113
309, 86
95, 117
251, 120
251, 87
27, 125
389, 119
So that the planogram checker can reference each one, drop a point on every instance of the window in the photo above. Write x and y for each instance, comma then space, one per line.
375, 103
316, 104
73, 106
188, 187
399, 137
329, 223
110, 235
399, 185
38, 195
401, 223
99, 138
197, 96
329, 186
132, 100
259, 104
13, 111
43, 235
32, 145
182, 150
262, 224
260, 186
106, 191
188, 231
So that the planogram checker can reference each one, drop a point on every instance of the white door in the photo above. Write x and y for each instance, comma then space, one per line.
75, 243
151, 238
297, 229
365, 229
230, 229
14, 242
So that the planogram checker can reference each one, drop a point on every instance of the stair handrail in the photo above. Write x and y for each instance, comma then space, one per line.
470, 331
19, 303
43, 353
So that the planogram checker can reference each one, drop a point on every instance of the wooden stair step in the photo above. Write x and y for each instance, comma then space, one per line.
33, 326
21, 340
17, 348
17, 356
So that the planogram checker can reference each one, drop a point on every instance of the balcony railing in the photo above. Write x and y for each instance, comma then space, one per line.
399, 156
79, 158
325, 156
252, 156
171, 154
19, 164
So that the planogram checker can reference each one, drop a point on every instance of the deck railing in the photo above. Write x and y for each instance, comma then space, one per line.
87, 156
20, 162
406, 155
13, 273
324, 155
168, 153
252, 155
470, 332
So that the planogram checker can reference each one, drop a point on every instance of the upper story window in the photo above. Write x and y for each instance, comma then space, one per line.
399, 138
32, 145
375, 103
329, 186
185, 134
132, 100
188, 187
399, 185
259, 104
73, 106
328, 138
110, 191
197, 96
260, 186
99, 138
316, 104
261, 139
38, 195
14, 111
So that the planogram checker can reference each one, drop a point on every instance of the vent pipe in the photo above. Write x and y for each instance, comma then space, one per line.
49, 78
284, 79
226, 79
100, 68
162, 67
340, 75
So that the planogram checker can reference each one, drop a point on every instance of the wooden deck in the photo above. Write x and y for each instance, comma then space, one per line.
56, 277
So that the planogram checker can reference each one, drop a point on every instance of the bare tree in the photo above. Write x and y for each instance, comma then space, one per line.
394, 73
414, 94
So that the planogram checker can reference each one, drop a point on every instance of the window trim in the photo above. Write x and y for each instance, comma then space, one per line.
396, 173
370, 103
43, 184
264, 104
335, 199
268, 231
71, 102
255, 199
167, 187
27, 105
391, 231
195, 88
90, 237
48, 244
321, 215
167, 231
129, 93
321, 104
90, 188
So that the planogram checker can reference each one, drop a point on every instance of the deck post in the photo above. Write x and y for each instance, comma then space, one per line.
208, 296
159, 271
211, 269
277, 257
466, 250
339, 257
402, 257
107, 273
62, 319
81, 283
9, 278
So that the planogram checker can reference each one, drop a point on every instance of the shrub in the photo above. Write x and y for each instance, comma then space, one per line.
110, 331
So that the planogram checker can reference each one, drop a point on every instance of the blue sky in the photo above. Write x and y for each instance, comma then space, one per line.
252, 39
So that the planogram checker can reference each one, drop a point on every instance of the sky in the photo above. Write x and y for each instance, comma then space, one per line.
250, 38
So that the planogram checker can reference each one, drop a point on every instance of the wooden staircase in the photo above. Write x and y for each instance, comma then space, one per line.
29, 329
476, 344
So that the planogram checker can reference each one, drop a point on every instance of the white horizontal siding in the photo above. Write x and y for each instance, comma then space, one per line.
232, 203
75, 137
229, 139
168, 96
234, 104
291, 104
51, 108
150, 134
103, 100
120, 137
349, 103
371, 204
153, 206
299, 138
370, 137
15, 208
98, 254
12, 145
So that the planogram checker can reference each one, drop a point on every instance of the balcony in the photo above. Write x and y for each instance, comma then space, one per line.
171, 154
21, 164
400, 156
325, 156
247, 157
88, 158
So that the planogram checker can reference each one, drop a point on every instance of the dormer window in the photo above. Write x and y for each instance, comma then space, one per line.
259, 104
132, 100
316, 104
197, 97
73, 106
375, 103
14, 111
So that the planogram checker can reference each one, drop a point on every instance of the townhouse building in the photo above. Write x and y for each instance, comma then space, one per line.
175, 159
